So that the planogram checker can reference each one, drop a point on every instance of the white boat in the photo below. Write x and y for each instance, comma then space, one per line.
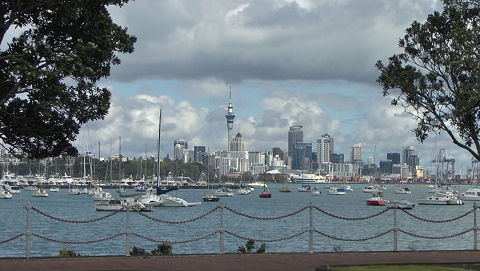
102, 196
54, 189
30, 188
400, 204
304, 188
472, 194
151, 200
13, 189
244, 191
371, 189
117, 205
223, 192
348, 188
169, 201
433, 200
316, 192
257, 184
336, 191
403, 190
40, 192
308, 178
5, 194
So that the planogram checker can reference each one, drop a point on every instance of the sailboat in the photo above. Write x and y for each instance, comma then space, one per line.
265, 193
206, 196
165, 199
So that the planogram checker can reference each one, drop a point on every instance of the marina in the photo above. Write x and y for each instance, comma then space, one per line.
255, 221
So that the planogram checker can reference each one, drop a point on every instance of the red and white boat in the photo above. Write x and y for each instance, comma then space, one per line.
377, 201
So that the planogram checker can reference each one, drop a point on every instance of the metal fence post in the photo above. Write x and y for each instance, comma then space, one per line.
27, 231
395, 229
221, 228
310, 230
475, 229
127, 233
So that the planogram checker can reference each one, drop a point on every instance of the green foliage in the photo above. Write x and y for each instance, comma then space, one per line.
138, 251
162, 249
249, 246
417, 267
438, 74
49, 72
67, 253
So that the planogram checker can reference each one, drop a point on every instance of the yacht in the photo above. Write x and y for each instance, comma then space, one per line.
169, 201
371, 189
54, 188
40, 192
244, 191
13, 189
5, 194
117, 205
472, 194
403, 190
223, 192
336, 191
102, 196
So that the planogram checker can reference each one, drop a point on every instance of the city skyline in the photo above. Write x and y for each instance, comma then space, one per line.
289, 62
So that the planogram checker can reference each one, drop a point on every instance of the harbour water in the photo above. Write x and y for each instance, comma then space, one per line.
352, 205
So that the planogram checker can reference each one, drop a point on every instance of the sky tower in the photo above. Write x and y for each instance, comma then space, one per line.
230, 116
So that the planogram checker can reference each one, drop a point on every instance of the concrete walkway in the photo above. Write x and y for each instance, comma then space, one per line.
240, 262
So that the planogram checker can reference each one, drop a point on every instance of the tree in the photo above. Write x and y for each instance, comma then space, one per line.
437, 77
49, 72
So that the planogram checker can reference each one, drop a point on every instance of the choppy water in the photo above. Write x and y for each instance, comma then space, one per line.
60, 204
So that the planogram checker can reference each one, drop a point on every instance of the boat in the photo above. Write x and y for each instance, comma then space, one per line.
244, 190
304, 188
73, 190
40, 192
433, 200
316, 192
121, 205
376, 201
371, 189
348, 188
472, 194
285, 189
223, 192
170, 201
102, 196
403, 190
5, 194
257, 184
265, 193
307, 179
150, 200
336, 191
210, 197
13, 189
54, 189
400, 204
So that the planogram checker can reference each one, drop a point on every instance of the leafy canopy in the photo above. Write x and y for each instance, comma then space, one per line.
436, 78
50, 70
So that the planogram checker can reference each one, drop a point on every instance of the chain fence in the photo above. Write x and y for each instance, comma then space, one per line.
221, 231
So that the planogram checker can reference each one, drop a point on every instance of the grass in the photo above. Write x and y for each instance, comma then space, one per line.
398, 268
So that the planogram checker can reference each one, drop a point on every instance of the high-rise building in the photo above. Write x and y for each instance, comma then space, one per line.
229, 116
410, 157
178, 146
324, 149
356, 153
199, 154
236, 143
302, 156
295, 135
386, 167
394, 157
337, 158
277, 151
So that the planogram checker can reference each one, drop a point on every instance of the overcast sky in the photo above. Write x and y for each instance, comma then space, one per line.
288, 62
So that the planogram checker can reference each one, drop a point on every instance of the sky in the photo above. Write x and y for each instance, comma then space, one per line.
303, 62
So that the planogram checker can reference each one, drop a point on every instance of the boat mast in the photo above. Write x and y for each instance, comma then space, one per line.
158, 150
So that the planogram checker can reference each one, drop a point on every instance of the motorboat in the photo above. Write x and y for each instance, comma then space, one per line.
257, 184
169, 201
336, 191
123, 205
400, 204
244, 191
371, 189
151, 200
403, 190
376, 201
102, 196
223, 192
210, 197
40, 192
433, 200
316, 192
472, 194
54, 189
348, 188
74, 190
5, 194
285, 189
13, 189
304, 188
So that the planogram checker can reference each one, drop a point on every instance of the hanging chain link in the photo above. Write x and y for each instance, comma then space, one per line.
266, 240
351, 218
351, 239
12, 238
436, 237
265, 218
174, 241
178, 222
437, 221
74, 221
78, 242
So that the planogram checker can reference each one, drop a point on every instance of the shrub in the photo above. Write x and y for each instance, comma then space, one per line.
65, 253
138, 251
249, 246
162, 249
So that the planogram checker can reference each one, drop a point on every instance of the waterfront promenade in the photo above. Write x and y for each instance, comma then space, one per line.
241, 262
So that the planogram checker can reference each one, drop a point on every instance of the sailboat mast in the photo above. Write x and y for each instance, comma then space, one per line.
158, 150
